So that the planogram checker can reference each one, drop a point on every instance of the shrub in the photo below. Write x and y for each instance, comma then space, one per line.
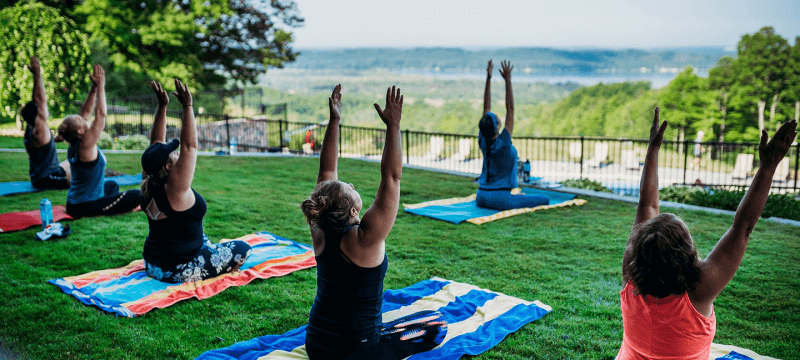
133, 142
785, 206
586, 184
681, 194
105, 141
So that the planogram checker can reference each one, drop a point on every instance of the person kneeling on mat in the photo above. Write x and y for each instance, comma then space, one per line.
89, 194
177, 250
499, 171
345, 320
45, 170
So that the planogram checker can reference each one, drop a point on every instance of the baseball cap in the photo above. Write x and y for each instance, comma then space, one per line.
157, 155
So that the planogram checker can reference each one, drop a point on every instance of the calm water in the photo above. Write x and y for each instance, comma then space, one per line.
657, 80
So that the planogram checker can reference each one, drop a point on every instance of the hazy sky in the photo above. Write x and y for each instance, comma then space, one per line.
564, 23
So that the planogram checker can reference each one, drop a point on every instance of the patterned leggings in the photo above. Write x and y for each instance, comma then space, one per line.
212, 260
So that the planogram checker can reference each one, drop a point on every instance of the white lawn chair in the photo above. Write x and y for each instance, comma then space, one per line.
782, 172
629, 160
743, 166
437, 145
464, 146
600, 155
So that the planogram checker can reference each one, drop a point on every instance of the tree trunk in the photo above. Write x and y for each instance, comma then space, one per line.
797, 110
775, 101
761, 105
724, 110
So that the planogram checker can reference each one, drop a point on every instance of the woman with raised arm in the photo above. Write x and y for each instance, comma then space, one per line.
499, 171
345, 320
45, 170
668, 296
89, 193
177, 250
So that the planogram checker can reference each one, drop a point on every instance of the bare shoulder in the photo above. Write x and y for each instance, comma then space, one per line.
705, 293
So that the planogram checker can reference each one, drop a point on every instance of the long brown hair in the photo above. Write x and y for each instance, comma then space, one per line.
153, 180
661, 258
328, 206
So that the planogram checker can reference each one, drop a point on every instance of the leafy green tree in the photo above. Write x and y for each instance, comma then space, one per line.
685, 99
792, 91
760, 69
34, 29
720, 79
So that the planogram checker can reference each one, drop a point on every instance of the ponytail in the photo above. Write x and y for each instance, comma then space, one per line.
328, 206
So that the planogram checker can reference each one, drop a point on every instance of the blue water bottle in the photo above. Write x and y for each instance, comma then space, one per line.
46, 211
526, 171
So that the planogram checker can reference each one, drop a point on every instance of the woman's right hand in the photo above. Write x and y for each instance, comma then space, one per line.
771, 153
335, 103
656, 131
161, 94
489, 69
394, 107
98, 77
182, 93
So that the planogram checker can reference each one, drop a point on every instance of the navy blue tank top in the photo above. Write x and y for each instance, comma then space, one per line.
347, 308
43, 159
177, 238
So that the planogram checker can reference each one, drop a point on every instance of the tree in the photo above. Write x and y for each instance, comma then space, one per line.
685, 99
792, 91
760, 69
720, 79
205, 43
34, 29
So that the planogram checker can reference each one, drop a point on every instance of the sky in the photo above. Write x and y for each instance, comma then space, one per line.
560, 24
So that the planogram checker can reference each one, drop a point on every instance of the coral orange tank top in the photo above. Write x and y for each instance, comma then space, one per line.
668, 328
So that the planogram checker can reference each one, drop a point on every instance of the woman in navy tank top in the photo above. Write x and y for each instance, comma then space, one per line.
345, 319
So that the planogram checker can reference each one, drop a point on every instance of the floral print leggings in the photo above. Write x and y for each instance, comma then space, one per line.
212, 260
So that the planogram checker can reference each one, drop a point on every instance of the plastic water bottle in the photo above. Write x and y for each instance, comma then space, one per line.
526, 171
234, 143
46, 212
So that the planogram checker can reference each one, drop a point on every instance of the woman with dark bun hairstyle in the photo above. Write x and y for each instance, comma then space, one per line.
668, 296
499, 170
345, 320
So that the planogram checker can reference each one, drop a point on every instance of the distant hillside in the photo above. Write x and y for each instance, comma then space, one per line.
528, 60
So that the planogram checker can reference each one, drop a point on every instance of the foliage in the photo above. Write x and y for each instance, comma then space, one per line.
785, 206
133, 142
586, 184
567, 258
33, 29
679, 194
105, 141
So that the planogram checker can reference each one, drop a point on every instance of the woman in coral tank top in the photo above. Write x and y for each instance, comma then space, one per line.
668, 299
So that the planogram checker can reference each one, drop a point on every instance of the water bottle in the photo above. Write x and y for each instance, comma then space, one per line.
46, 212
526, 172
234, 143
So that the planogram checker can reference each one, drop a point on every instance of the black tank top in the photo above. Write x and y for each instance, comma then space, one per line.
177, 238
347, 308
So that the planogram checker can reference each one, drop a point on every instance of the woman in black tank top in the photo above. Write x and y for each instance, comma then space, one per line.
345, 320
177, 250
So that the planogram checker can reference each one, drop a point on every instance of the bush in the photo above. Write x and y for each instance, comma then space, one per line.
132, 142
785, 206
105, 141
586, 184
680, 194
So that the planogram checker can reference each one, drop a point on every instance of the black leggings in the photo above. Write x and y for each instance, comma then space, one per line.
113, 203
56, 180
399, 339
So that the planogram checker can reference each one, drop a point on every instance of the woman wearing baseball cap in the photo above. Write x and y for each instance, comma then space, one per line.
499, 171
177, 250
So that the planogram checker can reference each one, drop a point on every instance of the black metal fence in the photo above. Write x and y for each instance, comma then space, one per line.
614, 162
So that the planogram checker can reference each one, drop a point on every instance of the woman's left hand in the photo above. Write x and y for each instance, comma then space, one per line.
183, 94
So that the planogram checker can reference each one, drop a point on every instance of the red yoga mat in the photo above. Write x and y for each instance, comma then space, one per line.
16, 221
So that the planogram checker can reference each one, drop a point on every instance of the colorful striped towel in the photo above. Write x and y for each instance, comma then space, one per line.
458, 210
729, 352
128, 291
478, 319
19, 187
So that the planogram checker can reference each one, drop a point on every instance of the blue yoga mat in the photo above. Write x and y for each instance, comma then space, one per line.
19, 187
460, 212
477, 319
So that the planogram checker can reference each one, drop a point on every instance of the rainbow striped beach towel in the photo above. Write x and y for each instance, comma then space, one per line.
128, 291
458, 210
478, 319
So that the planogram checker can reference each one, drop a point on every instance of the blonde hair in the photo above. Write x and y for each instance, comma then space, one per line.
152, 180
328, 206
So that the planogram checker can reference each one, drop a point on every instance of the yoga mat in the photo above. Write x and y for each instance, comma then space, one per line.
730, 352
19, 187
128, 291
458, 210
16, 221
478, 319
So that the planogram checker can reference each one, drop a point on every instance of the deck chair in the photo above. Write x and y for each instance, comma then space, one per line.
744, 163
437, 145
782, 172
464, 146
575, 150
600, 155
629, 160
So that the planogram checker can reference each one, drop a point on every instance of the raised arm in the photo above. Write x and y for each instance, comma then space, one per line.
88, 104
487, 96
41, 133
88, 147
179, 183
722, 262
159, 130
329, 158
648, 189
505, 71
379, 218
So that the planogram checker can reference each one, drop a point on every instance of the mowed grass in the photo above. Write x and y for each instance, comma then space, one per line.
567, 258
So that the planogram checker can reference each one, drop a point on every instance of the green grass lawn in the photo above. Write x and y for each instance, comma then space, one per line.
568, 258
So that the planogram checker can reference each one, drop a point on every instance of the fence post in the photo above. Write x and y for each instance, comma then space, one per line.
228, 130
243, 91
796, 163
582, 152
685, 158
280, 131
339, 154
141, 121
408, 149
